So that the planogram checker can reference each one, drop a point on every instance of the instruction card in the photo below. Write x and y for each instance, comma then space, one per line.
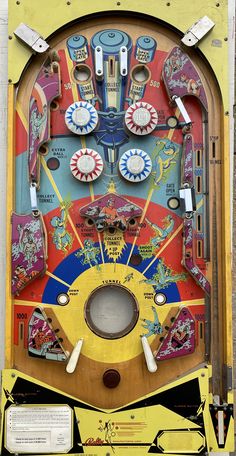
39, 429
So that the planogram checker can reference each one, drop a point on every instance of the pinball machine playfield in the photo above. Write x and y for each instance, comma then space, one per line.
119, 277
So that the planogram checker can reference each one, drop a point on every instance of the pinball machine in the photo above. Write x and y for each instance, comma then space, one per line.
118, 327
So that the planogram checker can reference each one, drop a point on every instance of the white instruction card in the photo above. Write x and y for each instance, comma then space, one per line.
38, 429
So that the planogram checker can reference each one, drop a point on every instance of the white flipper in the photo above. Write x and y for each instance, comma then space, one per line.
74, 358
150, 360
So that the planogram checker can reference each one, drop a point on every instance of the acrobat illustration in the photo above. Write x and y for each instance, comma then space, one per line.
164, 277
61, 238
153, 327
89, 253
165, 158
161, 233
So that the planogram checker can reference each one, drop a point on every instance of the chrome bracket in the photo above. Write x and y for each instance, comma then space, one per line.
123, 61
99, 62
33, 197
31, 38
197, 31
187, 197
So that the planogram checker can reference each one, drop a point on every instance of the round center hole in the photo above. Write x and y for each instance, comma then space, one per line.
140, 74
111, 311
82, 73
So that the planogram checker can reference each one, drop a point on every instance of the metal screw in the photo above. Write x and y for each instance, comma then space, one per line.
168, 4
217, 4
13, 375
132, 417
202, 375
118, 3
18, 3
10, 37
226, 39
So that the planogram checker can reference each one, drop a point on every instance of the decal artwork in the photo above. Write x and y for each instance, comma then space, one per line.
61, 238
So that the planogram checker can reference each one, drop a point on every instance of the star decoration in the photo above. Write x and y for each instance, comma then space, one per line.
141, 118
81, 117
135, 165
86, 165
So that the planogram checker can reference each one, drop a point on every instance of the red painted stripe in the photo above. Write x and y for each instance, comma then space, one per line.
21, 136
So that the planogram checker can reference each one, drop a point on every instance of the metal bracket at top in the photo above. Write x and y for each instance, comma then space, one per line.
197, 31
31, 38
